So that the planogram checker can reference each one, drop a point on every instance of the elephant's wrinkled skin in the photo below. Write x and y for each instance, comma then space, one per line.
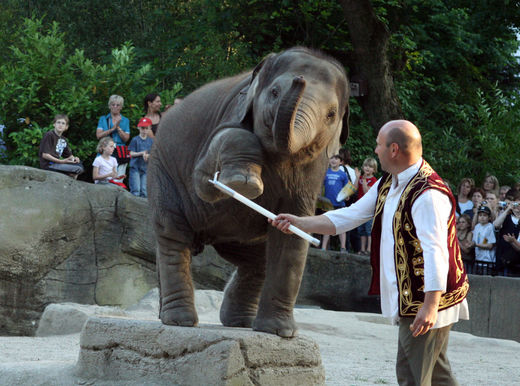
269, 132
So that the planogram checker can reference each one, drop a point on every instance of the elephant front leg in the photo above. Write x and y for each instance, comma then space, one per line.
177, 306
286, 256
237, 154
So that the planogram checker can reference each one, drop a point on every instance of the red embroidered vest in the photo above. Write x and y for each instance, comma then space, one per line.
408, 256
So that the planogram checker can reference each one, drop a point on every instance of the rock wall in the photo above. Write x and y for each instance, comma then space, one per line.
63, 240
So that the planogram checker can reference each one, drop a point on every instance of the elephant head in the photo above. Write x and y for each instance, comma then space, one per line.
297, 103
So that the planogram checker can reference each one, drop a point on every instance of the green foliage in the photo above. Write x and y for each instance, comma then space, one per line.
361, 140
26, 143
42, 80
491, 143
453, 63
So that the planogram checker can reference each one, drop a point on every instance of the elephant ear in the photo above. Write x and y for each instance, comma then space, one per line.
338, 140
246, 108
345, 128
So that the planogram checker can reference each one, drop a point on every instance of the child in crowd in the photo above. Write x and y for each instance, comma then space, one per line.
55, 153
484, 241
335, 180
105, 166
465, 236
353, 174
140, 147
365, 181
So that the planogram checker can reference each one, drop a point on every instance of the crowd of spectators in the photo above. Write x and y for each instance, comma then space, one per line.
488, 226
488, 216
113, 154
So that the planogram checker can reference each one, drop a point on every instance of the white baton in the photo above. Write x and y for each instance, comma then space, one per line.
244, 200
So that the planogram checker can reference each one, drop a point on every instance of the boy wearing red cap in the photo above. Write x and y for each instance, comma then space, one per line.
140, 147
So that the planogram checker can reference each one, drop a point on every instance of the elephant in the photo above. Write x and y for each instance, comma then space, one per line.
269, 132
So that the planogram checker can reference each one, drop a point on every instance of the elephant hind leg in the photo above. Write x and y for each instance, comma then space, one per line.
237, 154
242, 293
177, 306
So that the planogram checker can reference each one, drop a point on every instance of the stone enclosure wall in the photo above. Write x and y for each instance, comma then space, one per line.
67, 241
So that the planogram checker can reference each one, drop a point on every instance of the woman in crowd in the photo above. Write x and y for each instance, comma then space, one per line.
465, 236
476, 198
490, 184
152, 109
115, 125
464, 189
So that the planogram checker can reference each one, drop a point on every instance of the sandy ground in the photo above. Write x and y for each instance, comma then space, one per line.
356, 349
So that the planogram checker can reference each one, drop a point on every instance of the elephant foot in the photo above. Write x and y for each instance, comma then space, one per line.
234, 315
184, 317
243, 178
237, 320
240, 302
285, 328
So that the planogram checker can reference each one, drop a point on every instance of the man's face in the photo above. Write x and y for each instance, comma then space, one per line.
516, 208
491, 198
382, 151
502, 194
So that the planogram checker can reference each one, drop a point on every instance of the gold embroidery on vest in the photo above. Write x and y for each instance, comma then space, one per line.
408, 307
401, 256
382, 197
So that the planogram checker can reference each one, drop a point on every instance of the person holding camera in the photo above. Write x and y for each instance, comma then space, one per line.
508, 226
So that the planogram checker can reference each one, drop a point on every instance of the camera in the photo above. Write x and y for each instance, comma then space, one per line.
502, 204
483, 203
515, 204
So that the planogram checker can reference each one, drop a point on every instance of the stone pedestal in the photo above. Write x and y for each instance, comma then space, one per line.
126, 349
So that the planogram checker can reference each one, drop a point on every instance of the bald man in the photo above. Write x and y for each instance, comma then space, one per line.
416, 262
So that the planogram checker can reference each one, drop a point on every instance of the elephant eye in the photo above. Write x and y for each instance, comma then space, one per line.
331, 114
274, 92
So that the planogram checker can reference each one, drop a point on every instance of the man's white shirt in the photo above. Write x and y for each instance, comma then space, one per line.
430, 214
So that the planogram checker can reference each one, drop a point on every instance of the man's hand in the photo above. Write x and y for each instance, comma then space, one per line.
510, 238
427, 315
283, 221
310, 224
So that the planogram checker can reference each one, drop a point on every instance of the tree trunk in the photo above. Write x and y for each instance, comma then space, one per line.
369, 61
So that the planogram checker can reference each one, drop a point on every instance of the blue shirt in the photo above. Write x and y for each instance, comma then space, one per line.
105, 123
138, 144
334, 182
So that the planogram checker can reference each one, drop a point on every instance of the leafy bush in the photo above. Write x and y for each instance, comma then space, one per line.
488, 143
43, 80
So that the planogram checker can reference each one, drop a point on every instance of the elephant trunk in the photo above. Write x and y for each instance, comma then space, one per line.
283, 129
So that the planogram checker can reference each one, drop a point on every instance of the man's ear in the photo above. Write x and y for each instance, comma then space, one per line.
394, 149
